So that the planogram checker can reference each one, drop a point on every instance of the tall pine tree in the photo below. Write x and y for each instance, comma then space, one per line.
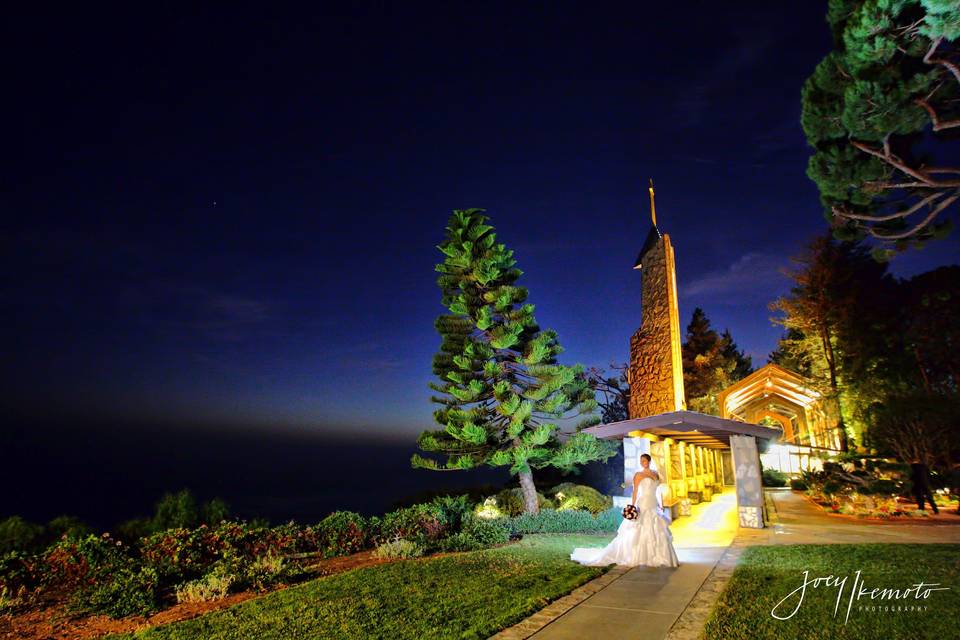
711, 363
500, 385
881, 111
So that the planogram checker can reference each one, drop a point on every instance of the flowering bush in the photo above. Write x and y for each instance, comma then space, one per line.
423, 524
82, 562
101, 575
865, 488
341, 533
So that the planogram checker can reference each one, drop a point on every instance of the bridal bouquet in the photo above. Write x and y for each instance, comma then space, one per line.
630, 512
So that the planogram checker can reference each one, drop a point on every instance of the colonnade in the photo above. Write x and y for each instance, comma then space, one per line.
688, 470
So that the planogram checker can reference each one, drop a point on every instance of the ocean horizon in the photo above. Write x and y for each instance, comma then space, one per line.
108, 474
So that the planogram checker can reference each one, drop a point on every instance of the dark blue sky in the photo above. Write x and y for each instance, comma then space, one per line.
228, 217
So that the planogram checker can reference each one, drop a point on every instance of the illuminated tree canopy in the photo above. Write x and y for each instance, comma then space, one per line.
878, 111
501, 387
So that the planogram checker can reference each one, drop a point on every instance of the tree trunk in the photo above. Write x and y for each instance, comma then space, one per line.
923, 372
530, 504
831, 362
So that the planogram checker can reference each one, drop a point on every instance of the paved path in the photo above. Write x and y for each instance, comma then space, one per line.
797, 521
645, 602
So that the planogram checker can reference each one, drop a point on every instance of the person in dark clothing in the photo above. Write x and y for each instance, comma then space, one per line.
920, 476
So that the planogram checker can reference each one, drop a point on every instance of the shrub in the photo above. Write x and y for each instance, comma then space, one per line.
18, 568
214, 512
251, 556
16, 534
566, 522
132, 530
101, 576
609, 520
182, 554
20, 575
398, 548
454, 510
774, 478
459, 542
486, 533
509, 502
10, 599
488, 509
267, 571
128, 591
881, 486
424, 524
213, 586
86, 561
578, 496
68, 526
341, 533
799, 484
176, 511
831, 487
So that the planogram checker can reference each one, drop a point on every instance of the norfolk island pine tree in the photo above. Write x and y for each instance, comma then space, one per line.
500, 387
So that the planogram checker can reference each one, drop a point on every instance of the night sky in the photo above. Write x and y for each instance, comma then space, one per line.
227, 218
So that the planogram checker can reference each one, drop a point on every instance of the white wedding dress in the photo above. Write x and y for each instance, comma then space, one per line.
645, 541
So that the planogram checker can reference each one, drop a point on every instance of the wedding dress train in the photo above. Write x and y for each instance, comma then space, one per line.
645, 541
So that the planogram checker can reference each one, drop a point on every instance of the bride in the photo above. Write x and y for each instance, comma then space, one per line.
644, 541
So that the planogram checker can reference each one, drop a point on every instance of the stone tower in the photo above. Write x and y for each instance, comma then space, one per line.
656, 366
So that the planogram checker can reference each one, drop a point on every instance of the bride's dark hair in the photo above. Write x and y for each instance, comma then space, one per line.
647, 456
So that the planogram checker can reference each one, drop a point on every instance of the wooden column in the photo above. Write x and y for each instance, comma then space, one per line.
683, 465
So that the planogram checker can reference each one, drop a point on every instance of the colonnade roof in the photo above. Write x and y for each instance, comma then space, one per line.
769, 380
686, 426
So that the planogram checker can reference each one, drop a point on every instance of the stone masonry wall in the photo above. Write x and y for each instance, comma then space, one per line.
652, 388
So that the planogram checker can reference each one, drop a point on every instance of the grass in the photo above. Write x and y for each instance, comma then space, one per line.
766, 575
468, 595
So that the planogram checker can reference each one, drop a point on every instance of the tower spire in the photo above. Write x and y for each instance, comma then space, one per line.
653, 207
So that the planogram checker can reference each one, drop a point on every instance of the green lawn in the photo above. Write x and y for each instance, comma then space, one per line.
469, 595
766, 575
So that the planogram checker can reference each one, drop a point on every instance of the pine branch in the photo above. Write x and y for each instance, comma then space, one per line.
887, 156
950, 66
906, 234
893, 216
938, 125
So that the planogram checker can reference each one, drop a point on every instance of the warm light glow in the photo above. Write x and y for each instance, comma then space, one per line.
653, 207
679, 396
805, 416
710, 524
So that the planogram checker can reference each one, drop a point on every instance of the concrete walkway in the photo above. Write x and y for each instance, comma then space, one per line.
645, 601
796, 521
